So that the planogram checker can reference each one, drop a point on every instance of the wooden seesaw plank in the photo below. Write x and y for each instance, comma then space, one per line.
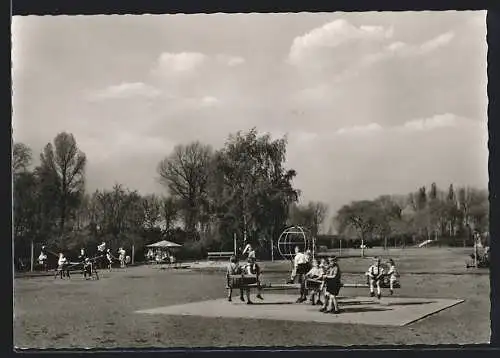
296, 286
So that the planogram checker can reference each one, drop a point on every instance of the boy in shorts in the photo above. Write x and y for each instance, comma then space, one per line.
233, 269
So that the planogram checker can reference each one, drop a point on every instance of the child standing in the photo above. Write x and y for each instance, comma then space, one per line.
333, 284
233, 269
121, 257
109, 257
393, 275
87, 269
62, 264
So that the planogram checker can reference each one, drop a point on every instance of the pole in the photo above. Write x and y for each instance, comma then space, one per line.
475, 253
234, 245
362, 247
32, 256
133, 253
272, 250
340, 247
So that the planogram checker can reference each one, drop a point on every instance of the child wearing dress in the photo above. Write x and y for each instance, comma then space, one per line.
333, 284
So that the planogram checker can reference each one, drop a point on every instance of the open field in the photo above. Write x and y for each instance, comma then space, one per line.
102, 314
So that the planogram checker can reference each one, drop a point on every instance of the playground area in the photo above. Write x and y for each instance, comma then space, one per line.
439, 302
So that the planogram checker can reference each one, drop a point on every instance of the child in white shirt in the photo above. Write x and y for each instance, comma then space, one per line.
375, 275
314, 281
393, 275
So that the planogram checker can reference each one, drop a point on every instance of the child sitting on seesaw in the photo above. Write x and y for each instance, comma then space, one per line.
393, 275
62, 266
253, 269
233, 269
314, 282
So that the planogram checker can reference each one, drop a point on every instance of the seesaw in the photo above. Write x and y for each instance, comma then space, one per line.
239, 281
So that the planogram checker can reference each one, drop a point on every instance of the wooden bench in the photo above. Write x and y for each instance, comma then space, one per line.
224, 255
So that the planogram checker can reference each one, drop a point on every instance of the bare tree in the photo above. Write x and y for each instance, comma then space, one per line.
65, 163
186, 173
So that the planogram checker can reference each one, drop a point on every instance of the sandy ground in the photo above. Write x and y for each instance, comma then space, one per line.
52, 313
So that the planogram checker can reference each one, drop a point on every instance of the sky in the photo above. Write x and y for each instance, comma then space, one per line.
371, 103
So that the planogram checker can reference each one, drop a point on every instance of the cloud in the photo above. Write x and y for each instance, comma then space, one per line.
402, 49
446, 120
209, 101
363, 129
435, 43
178, 63
438, 121
230, 60
330, 36
125, 90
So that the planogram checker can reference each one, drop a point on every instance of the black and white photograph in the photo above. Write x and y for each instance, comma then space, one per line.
250, 180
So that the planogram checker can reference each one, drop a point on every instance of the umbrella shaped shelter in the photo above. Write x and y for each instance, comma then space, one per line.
164, 244
162, 250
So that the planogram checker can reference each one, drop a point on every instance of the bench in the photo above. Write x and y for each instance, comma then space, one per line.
224, 255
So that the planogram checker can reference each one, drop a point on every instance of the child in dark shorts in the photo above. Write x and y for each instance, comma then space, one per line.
233, 269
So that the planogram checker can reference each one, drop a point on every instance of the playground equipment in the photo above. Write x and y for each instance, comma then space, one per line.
292, 237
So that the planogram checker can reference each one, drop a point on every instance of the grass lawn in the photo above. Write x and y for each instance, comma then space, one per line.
52, 313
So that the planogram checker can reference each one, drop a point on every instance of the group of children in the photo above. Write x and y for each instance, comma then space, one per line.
88, 265
321, 280
376, 274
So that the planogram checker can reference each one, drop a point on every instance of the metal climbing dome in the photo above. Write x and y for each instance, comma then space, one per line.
292, 237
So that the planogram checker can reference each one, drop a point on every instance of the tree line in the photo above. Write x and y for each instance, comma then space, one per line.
243, 189
450, 217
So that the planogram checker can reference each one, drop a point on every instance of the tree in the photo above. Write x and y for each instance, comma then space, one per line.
185, 173
63, 169
311, 216
169, 212
21, 158
24, 190
152, 207
252, 189
389, 218
363, 216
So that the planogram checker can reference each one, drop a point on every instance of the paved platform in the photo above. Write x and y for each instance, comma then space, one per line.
389, 311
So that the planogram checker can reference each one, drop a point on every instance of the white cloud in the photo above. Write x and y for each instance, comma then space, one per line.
126, 90
402, 49
230, 60
333, 35
178, 63
363, 129
435, 43
437, 121
209, 101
